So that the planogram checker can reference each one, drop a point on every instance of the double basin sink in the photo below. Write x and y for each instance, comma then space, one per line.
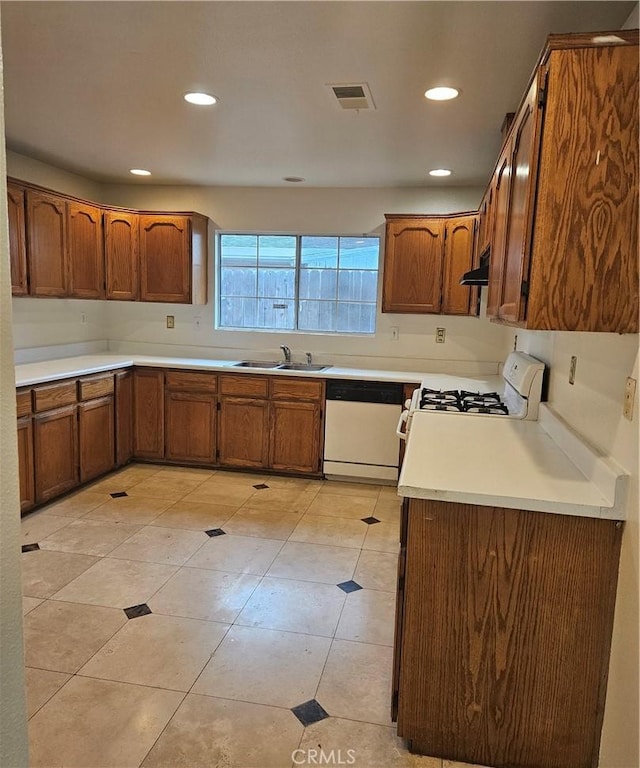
281, 366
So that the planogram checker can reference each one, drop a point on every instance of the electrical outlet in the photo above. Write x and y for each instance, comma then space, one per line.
440, 335
629, 398
395, 333
197, 322
171, 321
515, 343
572, 369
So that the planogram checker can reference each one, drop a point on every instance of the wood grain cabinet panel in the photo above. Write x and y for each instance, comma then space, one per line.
85, 251
191, 381
55, 452
244, 432
505, 634
17, 239
458, 259
23, 402
25, 463
96, 424
47, 244
49, 396
295, 437
165, 258
124, 416
190, 427
148, 413
122, 255
499, 237
92, 387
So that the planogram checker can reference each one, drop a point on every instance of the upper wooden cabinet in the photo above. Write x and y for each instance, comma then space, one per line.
564, 252
425, 257
122, 254
47, 239
17, 240
173, 258
85, 251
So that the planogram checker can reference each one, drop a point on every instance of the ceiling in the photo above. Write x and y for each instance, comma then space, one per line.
96, 87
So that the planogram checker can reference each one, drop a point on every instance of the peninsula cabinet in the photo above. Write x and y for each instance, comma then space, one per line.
564, 253
47, 244
121, 255
17, 239
504, 621
190, 417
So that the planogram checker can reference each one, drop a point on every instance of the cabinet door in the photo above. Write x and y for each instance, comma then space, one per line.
148, 413
85, 251
47, 238
499, 238
165, 258
412, 280
17, 240
122, 255
25, 463
96, 431
124, 417
458, 258
244, 432
55, 452
295, 436
190, 427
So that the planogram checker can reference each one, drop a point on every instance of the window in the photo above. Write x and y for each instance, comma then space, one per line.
321, 284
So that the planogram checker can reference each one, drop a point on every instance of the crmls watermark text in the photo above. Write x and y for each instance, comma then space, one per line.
322, 757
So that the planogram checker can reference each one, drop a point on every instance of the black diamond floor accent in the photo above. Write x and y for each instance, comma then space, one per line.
310, 712
137, 610
30, 547
215, 532
261, 486
369, 520
349, 586
118, 494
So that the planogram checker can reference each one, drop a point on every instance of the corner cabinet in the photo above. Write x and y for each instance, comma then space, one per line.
564, 251
424, 259
17, 239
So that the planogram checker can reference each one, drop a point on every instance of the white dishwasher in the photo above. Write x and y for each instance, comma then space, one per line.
360, 440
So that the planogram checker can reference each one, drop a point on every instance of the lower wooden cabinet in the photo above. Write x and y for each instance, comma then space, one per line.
25, 463
295, 437
244, 432
55, 452
124, 416
190, 427
148, 413
96, 437
503, 633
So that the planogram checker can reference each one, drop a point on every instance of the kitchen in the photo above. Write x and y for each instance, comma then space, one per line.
592, 405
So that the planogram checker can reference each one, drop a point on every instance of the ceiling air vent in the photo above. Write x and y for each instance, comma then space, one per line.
352, 95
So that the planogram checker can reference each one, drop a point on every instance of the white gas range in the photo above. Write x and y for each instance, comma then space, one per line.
515, 394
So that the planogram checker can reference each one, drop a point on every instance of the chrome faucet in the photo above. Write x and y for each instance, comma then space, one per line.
286, 352
309, 358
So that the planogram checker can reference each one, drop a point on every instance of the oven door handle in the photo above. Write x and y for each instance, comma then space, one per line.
402, 420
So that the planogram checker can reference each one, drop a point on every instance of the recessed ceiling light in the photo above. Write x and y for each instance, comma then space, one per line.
140, 172
293, 179
202, 99
440, 172
441, 93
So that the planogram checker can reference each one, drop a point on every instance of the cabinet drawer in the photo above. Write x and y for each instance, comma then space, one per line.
23, 402
188, 380
250, 386
98, 386
54, 396
296, 389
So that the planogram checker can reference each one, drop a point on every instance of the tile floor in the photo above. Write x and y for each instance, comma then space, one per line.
201, 621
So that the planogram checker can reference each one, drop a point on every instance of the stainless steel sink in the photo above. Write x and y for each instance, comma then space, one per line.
302, 367
255, 364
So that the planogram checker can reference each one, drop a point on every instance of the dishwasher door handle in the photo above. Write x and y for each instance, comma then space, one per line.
402, 420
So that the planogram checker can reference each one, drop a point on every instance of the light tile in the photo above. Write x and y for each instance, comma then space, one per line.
122, 481
227, 494
207, 732
99, 724
317, 529
246, 479
161, 651
77, 504
314, 562
169, 546
41, 684
361, 745
204, 594
350, 507
345, 488
266, 524
169, 485
89, 537
294, 606
63, 636
196, 473
368, 617
377, 570
194, 516
383, 537
356, 682
29, 603
130, 509
236, 554
281, 499
388, 509
37, 526
265, 666
116, 583
44, 572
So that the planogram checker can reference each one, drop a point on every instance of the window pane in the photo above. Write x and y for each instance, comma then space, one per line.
359, 252
238, 281
356, 318
318, 252
357, 285
317, 316
238, 250
238, 313
275, 283
274, 313
318, 283
277, 251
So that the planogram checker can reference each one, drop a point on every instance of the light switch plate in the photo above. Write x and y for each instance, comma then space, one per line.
171, 321
629, 398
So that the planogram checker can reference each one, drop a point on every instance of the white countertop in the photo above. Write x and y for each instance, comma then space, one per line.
28, 374
494, 461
